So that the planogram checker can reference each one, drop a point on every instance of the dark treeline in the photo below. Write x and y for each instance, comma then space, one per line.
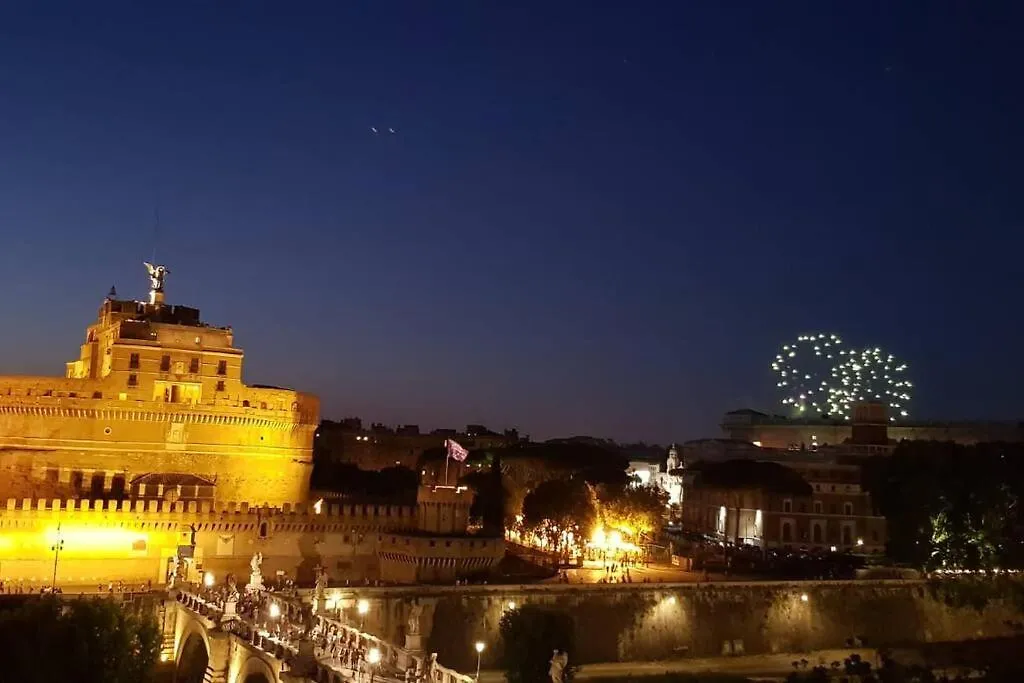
951, 506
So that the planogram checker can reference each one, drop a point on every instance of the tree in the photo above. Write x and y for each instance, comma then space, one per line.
639, 510
559, 507
529, 637
86, 641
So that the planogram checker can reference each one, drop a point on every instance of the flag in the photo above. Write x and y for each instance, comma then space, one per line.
455, 451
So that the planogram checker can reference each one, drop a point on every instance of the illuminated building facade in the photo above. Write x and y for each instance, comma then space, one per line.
154, 405
787, 503
666, 477
152, 447
776, 431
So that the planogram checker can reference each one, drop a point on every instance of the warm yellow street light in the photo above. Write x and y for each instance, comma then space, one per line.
363, 606
373, 657
479, 651
275, 610
208, 579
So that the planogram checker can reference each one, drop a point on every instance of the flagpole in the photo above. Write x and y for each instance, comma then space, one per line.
447, 457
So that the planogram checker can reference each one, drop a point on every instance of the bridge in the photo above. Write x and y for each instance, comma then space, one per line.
274, 638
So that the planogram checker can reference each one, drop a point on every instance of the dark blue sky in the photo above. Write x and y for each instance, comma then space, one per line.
594, 217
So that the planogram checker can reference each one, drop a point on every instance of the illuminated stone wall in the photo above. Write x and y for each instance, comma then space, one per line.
652, 622
257, 455
134, 541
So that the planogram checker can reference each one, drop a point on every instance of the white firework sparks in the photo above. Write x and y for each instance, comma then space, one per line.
817, 375
807, 373
874, 375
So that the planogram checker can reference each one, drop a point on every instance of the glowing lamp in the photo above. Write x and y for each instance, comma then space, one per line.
479, 646
275, 610
511, 604
208, 579
373, 656
363, 607
860, 541
803, 597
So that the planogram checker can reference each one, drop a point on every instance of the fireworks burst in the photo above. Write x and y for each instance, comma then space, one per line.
807, 372
874, 375
817, 375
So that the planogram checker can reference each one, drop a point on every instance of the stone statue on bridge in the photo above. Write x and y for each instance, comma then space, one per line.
255, 574
559, 660
412, 625
320, 587
172, 572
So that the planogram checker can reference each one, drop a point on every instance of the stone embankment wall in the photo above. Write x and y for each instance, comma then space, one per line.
652, 622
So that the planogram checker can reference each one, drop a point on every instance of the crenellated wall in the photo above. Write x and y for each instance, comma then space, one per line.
135, 540
646, 622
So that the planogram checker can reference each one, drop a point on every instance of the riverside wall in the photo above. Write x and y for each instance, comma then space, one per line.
645, 622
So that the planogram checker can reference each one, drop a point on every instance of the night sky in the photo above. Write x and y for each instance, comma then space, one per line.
592, 218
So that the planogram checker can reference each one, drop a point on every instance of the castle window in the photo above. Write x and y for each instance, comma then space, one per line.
193, 366
263, 529
222, 367
220, 385
787, 505
817, 507
165, 364
77, 479
245, 404
133, 380
72, 394
97, 394
117, 486
133, 361
847, 508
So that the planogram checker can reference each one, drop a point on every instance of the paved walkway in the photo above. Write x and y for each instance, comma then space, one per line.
757, 666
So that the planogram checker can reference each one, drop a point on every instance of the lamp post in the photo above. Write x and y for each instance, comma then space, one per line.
362, 607
57, 546
479, 652
373, 657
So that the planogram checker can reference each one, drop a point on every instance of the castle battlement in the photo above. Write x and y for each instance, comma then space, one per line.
291, 513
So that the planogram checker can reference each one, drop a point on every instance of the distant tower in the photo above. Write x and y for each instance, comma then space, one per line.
674, 463
157, 275
870, 424
112, 294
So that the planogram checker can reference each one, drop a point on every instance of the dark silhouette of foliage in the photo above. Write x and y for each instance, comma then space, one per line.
84, 641
951, 506
529, 637
393, 484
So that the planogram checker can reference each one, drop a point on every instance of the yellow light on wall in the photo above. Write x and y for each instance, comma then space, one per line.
318, 506
92, 540
373, 656
208, 579
275, 610
363, 607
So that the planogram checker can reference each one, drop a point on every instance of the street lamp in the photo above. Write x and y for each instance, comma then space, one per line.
275, 610
479, 651
208, 579
363, 606
373, 657
57, 546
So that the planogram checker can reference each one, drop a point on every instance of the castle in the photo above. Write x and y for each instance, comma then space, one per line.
152, 447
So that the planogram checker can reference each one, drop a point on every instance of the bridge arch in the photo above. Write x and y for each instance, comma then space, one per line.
193, 658
255, 670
